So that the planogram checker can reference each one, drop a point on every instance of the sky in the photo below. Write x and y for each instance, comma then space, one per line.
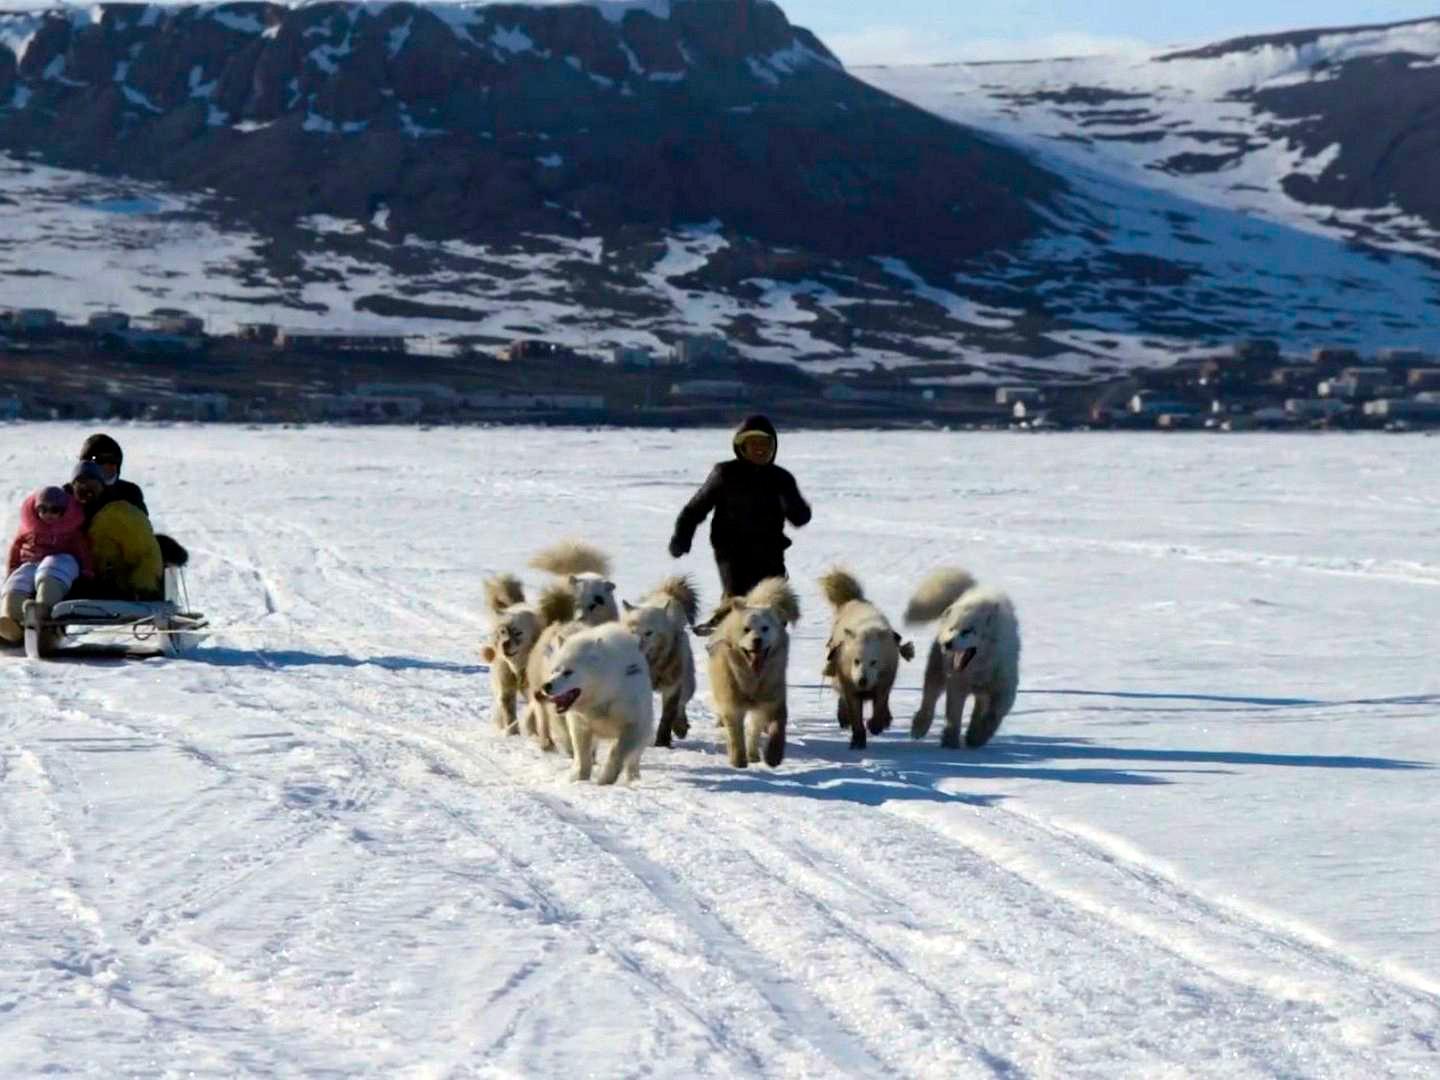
931, 31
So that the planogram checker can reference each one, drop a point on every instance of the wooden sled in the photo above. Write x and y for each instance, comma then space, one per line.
138, 628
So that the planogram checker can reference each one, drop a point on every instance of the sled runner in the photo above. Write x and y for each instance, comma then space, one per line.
144, 628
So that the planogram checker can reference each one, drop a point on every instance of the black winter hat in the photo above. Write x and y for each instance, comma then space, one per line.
103, 447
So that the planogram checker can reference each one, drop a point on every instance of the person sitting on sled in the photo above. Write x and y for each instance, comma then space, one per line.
752, 498
49, 554
127, 558
105, 452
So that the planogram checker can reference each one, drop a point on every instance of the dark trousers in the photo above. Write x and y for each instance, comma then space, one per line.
742, 571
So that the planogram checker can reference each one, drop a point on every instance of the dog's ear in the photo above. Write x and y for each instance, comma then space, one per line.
907, 648
487, 653
609, 587
627, 605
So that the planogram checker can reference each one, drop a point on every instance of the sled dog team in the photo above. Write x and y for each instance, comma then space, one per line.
582, 667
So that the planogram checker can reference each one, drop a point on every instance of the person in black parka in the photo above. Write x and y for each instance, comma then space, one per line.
751, 498
105, 452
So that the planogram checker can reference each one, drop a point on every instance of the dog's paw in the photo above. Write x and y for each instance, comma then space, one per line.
775, 751
950, 740
681, 726
878, 724
920, 726
662, 738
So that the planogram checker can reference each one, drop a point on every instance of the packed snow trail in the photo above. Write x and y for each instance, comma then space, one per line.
1195, 848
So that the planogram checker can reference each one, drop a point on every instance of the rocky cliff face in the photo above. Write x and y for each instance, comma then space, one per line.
495, 119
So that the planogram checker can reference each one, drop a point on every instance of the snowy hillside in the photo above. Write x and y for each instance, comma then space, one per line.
632, 173
1208, 125
1204, 198
1198, 847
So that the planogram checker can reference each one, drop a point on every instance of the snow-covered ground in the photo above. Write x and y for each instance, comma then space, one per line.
1201, 845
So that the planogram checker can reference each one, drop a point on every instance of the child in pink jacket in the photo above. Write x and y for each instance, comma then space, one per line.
49, 553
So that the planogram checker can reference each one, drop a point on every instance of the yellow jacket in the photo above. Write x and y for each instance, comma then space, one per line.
127, 558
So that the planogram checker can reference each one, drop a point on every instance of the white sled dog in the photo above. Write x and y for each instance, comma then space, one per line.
862, 656
660, 622
588, 571
976, 653
749, 650
516, 629
599, 681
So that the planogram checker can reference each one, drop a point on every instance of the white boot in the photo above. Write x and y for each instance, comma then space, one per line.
12, 618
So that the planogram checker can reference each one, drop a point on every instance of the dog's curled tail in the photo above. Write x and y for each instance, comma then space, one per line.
776, 593
841, 587
938, 591
572, 557
681, 589
556, 604
503, 590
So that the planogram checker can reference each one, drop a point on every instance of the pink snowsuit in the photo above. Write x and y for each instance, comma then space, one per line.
36, 539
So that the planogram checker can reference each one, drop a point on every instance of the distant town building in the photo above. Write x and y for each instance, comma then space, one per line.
1149, 403
1402, 357
264, 333
28, 320
1408, 409
1355, 383
534, 349
108, 322
339, 341
1331, 359
1009, 395
701, 349
632, 356
1426, 378
170, 321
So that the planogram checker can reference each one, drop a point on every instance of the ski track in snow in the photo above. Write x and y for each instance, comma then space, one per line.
307, 851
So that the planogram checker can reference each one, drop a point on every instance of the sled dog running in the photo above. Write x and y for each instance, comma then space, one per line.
976, 653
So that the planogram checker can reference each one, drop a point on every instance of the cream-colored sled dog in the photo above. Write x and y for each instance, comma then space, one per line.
588, 572
976, 654
600, 683
862, 656
516, 629
749, 650
584, 571
661, 622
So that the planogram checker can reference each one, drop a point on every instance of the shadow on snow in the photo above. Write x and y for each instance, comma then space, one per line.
294, 658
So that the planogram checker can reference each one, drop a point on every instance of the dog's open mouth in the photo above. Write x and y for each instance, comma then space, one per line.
756, 658
962, 659
562, 702
510, 648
